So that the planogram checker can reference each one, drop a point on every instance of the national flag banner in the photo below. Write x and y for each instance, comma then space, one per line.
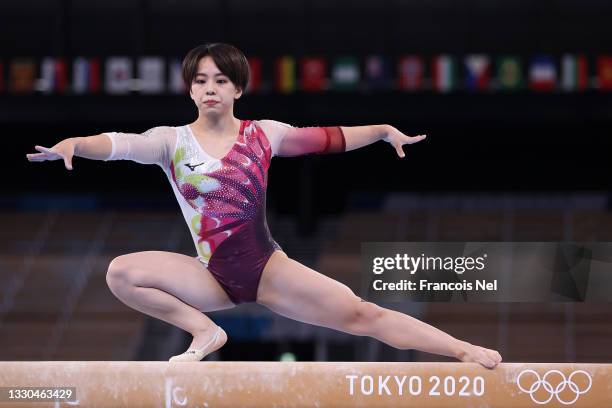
176, 83
85, 75
345, 73
285, 74
376, 72
477, 72
411, 71
313, 71
22, 76
509, 73
255, 68
574, 73
443, 73
151, 75
604, 72
118, 75
53, 76
542, 73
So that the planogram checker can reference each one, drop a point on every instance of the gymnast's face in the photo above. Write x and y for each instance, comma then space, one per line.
212, 91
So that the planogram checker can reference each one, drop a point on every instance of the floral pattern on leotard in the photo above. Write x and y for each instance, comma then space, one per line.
225, 193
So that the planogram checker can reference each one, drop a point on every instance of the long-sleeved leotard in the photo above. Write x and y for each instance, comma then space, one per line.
224, 200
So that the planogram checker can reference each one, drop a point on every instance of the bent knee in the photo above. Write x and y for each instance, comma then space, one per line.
120, 273
361, 317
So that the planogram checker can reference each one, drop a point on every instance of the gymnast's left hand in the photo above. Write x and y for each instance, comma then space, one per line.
398, 139
63, 150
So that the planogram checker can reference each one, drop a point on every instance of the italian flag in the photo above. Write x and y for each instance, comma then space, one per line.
574, 74
443, 73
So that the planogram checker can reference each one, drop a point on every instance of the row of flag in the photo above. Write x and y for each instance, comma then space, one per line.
442, 73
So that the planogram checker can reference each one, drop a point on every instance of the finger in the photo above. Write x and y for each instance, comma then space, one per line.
38, 158
67, 163
50, 154
489, 362
35, 159
400, 151
494, 357
415, 139
35, 155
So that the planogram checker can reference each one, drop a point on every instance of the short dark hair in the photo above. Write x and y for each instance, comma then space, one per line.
229, 59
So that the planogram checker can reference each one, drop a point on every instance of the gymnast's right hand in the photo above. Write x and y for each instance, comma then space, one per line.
476, 354
63, 150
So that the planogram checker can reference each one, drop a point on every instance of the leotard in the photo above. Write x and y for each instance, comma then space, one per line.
223, 200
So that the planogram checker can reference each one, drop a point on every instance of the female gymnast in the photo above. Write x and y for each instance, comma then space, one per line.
217, 166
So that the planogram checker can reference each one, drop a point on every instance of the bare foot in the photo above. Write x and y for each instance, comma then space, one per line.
476, 354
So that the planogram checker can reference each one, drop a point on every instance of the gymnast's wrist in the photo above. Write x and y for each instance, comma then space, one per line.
385, 132
460, 349
77, 143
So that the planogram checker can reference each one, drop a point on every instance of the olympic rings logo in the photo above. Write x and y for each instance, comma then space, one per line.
554, 392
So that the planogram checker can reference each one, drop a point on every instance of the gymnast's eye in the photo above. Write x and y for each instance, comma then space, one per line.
221, 81
199, 81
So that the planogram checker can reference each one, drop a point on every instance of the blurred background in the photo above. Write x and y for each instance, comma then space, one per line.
515, 97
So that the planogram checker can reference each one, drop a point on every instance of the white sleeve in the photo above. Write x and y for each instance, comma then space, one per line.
275, 132
155, 146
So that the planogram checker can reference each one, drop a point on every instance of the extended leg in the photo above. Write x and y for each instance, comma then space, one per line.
298, 292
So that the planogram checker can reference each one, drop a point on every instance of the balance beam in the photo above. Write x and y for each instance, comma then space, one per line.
310, 384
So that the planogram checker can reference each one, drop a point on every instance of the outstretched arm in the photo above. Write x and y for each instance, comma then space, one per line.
150, 147
359, 136
287, 140
96, 147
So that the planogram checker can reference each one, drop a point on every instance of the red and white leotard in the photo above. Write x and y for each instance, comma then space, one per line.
223, 200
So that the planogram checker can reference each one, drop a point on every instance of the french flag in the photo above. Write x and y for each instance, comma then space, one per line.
542, 73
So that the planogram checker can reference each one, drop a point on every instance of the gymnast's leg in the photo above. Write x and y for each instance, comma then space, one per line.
172, 287
300, 293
